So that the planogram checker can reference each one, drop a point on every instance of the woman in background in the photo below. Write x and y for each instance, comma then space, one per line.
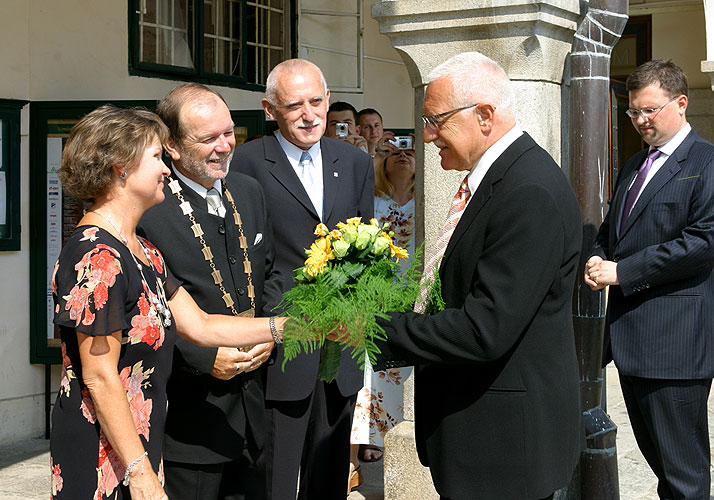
379, 403
119, 309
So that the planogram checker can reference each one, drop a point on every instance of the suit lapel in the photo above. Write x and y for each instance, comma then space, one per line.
671, 167
284, 173
618, 202
331, 175
485, 190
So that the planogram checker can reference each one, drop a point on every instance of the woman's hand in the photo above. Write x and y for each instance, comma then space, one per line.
146, 485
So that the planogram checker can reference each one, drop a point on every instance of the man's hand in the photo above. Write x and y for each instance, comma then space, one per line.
230, 362
383, 145
356, 140
600, 273
260, 354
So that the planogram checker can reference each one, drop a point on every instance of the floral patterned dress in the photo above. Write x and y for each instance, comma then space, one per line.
98, 290
380, 402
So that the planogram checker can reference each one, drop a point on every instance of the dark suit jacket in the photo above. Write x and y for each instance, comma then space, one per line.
207, 417
497, 408
348, 176
660, 319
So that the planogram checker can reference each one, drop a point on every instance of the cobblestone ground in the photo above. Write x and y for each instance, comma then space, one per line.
24, 466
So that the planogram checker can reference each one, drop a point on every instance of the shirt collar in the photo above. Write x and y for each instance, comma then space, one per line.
675, 141
484, 163
195, 186
293, 152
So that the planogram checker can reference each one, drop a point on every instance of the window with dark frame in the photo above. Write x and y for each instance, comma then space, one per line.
228, 42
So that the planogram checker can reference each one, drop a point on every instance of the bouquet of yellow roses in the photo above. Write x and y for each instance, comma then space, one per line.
351, 277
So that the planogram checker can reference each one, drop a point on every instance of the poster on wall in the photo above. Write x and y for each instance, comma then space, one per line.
3, 180
54, 222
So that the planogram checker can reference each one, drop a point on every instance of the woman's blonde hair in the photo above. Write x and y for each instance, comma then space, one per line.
382, 185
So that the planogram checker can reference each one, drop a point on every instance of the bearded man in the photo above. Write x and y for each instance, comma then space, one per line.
214, 233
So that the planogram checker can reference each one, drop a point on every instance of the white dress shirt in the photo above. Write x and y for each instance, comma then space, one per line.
478, 171
293, 153
666, 151
195, 186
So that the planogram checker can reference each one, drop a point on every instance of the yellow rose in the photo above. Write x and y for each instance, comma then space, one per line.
399, 252
355, 221
336, 235
374, 221
321, 230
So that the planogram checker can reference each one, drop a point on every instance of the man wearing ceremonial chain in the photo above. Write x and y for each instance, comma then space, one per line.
214, 233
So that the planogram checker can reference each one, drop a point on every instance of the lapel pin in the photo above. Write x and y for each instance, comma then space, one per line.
335, 174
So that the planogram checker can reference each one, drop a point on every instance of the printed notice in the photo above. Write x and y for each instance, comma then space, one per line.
3, 198
54, 221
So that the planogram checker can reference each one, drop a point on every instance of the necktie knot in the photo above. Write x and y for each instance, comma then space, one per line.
213, 199
651, 157
305, 158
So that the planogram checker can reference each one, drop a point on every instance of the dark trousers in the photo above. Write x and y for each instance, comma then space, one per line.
310, 438
669, 420
241, 479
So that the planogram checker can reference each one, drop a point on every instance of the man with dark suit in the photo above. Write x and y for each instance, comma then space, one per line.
214, 233
307, 179
655, 249
496, 403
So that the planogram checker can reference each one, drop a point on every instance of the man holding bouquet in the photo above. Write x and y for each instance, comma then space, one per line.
497, 409
307, 179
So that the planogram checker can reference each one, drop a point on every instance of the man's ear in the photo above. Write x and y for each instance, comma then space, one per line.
172, 150
268, 109
358, 129
484, 114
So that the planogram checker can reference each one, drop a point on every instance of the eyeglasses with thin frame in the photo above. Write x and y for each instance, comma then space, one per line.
436, 121
647, 112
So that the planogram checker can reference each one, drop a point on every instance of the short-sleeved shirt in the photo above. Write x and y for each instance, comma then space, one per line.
98, 290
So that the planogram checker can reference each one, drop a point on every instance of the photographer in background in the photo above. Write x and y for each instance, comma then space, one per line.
342, 124
370, 126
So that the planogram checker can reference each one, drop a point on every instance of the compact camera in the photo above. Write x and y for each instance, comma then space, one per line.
341, 130
403, 142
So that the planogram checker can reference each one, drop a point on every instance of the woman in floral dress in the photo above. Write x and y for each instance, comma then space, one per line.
379, 403
118, 329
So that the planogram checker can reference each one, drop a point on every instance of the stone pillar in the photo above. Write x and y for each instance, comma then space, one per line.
531, 40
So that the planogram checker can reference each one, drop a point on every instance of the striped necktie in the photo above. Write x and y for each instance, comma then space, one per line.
434, 261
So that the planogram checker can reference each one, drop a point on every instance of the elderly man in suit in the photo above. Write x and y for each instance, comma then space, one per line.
215, 428
497, 409
307, 179
655, 249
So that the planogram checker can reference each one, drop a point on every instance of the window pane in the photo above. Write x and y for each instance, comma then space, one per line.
167, 41
148, 44
209, 64
222, 42
277, 32
208, 17
149, 7
266, 37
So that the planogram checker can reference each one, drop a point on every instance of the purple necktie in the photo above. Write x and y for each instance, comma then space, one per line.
637, 185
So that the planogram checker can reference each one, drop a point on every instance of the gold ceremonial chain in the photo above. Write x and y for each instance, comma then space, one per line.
187, 210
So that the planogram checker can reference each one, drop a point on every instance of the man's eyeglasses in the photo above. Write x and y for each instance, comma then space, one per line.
435, 121
647, 112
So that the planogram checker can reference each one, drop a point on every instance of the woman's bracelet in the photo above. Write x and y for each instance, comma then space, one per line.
131, 466
274, 331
